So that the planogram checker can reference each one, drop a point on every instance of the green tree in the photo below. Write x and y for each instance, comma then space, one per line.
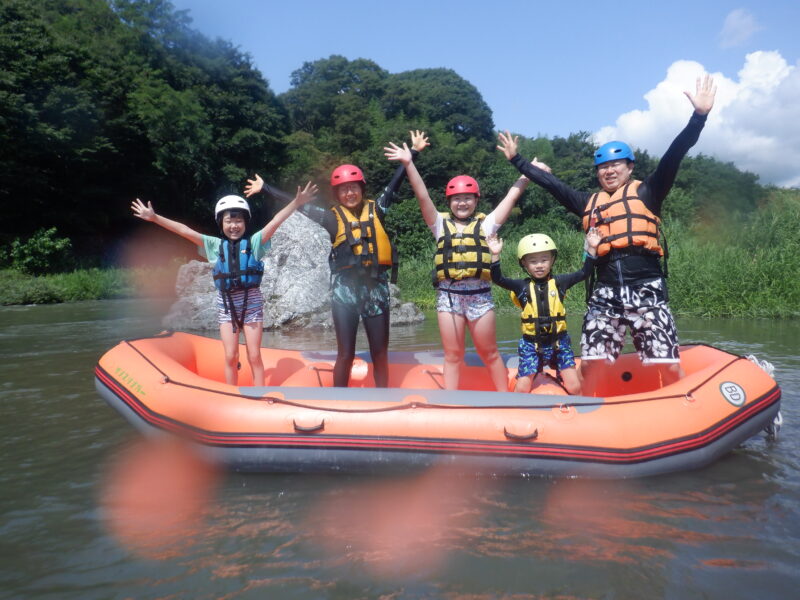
104, 101
440, 96
332, 96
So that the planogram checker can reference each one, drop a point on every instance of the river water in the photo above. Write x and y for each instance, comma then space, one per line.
728, 531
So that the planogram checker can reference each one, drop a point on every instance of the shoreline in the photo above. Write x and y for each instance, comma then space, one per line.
18, 289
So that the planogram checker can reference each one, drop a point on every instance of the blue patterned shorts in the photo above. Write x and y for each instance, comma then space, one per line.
560, 356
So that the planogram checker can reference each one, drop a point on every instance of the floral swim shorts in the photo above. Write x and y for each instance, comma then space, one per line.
470, 298
642, 308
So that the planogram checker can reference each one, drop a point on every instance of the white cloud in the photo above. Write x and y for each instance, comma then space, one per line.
755, 122
738, 27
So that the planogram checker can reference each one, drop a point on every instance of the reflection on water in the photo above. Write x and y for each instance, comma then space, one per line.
731, 530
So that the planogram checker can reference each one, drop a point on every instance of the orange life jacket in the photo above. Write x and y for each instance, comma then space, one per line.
622, 220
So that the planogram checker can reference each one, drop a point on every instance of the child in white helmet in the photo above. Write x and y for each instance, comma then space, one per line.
239, 301
544, 341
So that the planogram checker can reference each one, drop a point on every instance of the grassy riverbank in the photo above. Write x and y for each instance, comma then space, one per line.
719, 269
85, 284
89, 284
731, 268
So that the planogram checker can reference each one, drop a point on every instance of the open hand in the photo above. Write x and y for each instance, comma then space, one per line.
495, 244
592, 241
306, 194
143, 212
253, 186
703, 99
540, 165
395, 152
419, 141
508, 144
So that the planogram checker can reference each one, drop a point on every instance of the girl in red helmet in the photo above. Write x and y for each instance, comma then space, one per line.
463, 267
239, 300
362, 262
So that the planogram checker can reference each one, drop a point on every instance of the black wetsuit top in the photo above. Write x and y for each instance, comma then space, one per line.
324, 216
630, 269
564, 281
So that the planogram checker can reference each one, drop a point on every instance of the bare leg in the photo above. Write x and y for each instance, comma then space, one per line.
252, 337
452, 328
572, 380
230, 344
484, 335
524, 384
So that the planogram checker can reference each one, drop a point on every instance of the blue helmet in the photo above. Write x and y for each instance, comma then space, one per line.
613, 151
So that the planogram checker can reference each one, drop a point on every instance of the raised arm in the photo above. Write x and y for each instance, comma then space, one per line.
656, 187
256, 185
302, 197
146, 213
419, 141
703, 98
426, 206
539, 173
503, 209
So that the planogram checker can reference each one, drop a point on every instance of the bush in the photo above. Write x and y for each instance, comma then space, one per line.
16, 288
42, 253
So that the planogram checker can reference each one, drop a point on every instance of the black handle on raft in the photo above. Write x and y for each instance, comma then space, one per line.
521, 438
309, 429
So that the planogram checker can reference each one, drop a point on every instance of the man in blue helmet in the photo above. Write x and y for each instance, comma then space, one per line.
629, 288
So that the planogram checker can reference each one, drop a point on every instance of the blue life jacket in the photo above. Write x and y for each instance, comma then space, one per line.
246, 272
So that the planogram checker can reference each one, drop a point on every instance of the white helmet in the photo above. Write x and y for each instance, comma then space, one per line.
231, 203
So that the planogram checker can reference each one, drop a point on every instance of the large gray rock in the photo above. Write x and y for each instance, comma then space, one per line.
295, 285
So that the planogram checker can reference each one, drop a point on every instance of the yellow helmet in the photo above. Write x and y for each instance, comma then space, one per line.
535, 242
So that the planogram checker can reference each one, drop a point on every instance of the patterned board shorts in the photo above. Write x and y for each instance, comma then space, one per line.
642, 308
361, 292
560, 356
255, 306
460, 298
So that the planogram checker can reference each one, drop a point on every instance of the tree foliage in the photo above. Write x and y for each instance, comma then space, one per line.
440, 96
106, 100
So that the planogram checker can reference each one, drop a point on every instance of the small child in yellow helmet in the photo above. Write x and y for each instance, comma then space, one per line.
544, 340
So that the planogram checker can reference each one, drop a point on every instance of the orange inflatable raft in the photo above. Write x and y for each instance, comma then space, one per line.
298, 422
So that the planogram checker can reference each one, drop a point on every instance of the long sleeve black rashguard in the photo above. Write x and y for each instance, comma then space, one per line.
322, 215
564, 281
633, 269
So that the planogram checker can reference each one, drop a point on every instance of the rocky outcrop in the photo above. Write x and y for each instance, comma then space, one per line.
295, 285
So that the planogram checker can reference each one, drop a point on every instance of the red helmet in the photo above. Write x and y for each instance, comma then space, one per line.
346, 173
462, 184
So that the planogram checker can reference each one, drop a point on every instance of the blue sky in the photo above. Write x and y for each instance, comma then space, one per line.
615, 69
